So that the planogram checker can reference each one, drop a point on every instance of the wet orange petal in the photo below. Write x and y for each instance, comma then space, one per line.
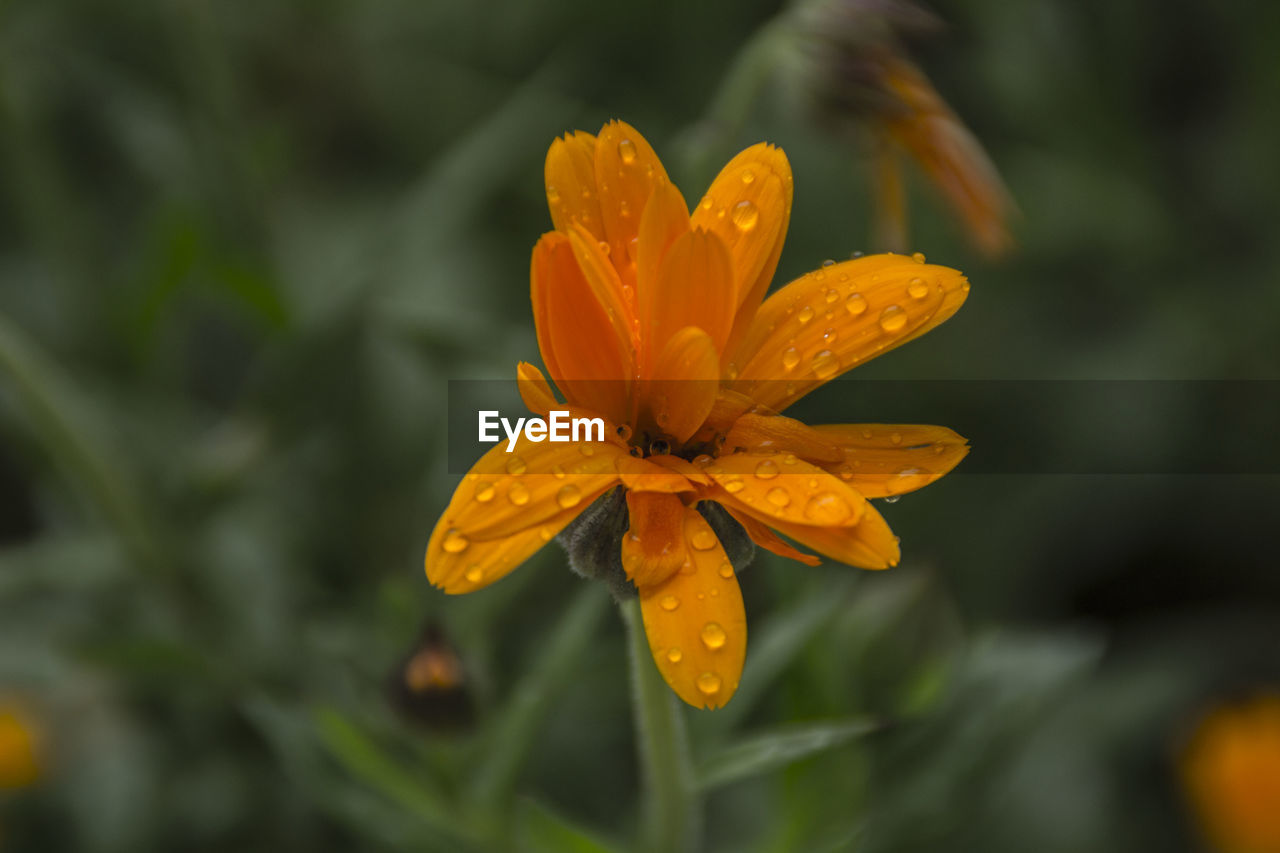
627, 170
534, 389
748, 206
783, 487
892, 459
505, 493
777, 434
683, 390
653, 547
695, 621
571, 183
665, 219
607, 287
642, 475
578, 338
685, 469
694, 288
837, 317
767, 539
458, 565
869, 544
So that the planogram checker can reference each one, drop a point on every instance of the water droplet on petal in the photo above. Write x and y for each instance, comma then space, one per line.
703, 460
856, 304
829, 336
805, 315
713, 636
674, 655
892, 499
734, 486
748, 177
825, 364
474, 574
918, 257
893, 318
896, 438
827, 508
553, 194
587, 449
703, 540
484, 492
778, 497
669, 603
627, 151
709, 683
568, 497
767, 469
518, 494
828, 263
790, 459
558, 471
790, 358
455, 542
832, 295
745, 215
917, 289
516, 466
707, 202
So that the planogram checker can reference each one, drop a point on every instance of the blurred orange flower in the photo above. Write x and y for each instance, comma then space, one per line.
18, 765
1231, 770
654, 319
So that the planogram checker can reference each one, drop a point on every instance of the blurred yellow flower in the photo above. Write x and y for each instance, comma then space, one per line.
654, 319
1231, 770
18, 765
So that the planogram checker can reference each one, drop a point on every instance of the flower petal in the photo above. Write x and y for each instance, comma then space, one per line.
456, 567
748, 206
685, 469
892, 459
535, 391
695, 621
627, 170
835, 318
686, 379
606, 286
505, 493
756, 433
782, 487
578, 338
653, 548
767, 539
665, 219
642, 475
869, 544
571, 183
694, 288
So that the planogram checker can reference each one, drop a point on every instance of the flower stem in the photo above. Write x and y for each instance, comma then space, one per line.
672, 814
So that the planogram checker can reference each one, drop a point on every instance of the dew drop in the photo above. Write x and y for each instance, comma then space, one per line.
558, 471
546, 532
805, 315
707, 202
918, 257
484, 492
713, 636
474, 574
674, 655
892, 499
568, 497
828, 263
825, 364
703, 540
734, 486
896, 438
856, 304
790, 358
586, 449
731, 372
624, 432
893, 318
627, 151
745, 215
726, 570
748, 177
827, 508
709, 683
669, 603
553, 194
703, 460
518, 494
917, 289
516, 466
455, 542
778, 497
790, 459
659, 448
829, 336
767, 469
832, 295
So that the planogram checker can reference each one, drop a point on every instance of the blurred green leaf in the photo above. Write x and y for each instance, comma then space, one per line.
540, 830
770, 751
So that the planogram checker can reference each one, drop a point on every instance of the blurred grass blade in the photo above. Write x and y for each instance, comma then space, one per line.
513, 732
774, 750
57, 418
539, 830
777, 643
368, 762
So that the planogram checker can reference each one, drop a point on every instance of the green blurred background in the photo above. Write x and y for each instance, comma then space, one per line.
244, 246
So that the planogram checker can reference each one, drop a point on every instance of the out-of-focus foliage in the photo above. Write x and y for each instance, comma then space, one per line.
244, 246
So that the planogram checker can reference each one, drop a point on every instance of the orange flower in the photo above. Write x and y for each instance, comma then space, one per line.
1231, 770
654, 319
18, 765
